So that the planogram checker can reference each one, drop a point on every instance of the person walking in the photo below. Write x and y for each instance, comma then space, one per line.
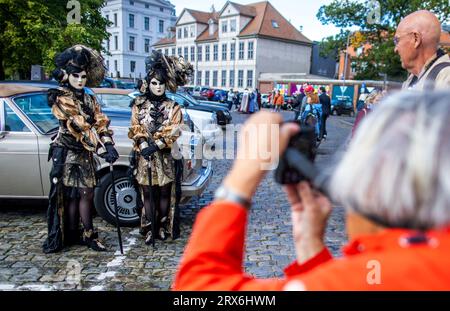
278, 101
230, 99
325, 101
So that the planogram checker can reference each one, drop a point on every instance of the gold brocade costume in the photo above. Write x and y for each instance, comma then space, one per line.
159, 123
83, 131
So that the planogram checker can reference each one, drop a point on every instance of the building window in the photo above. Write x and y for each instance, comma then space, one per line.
231, 78
224, 26
179, 51
147, 23
275, 24
132, 66
192, 31
241, 78
233, 51
192, 53
207, 78
116, 66
216, 52
233, 25
186, 52
199, 53
161, 26
224, 51
116, 43
107, 64
131, 20
147, 6
241, 50
215, 77
250, 49
108, 45
131, 45
131, 2
115, 19
147, 45
179, 33
199, 78
250, 78
207, 52
166, 52
185, 31
161, 9
224, 78
173, 52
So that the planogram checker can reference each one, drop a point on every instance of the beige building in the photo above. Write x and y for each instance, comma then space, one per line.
233, 47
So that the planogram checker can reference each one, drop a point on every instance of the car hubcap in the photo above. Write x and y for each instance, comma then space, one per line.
126, 200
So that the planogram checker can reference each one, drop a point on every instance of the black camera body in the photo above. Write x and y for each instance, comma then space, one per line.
292, 168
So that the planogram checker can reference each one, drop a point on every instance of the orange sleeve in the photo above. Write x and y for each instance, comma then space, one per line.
213, 258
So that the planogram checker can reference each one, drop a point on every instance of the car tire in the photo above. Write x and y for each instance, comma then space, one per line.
126, 199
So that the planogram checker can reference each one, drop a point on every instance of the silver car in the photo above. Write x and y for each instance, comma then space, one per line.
26, 128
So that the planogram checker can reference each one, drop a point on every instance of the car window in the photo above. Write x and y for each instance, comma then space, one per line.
12, 121
35, 107
179, 100
115, 100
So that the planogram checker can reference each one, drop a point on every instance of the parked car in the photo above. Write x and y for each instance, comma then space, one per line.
288, 103
116, 104
340, 107
26, 128
117, 84
220, 96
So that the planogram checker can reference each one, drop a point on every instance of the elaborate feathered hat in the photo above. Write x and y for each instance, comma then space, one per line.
80, 58
172, 70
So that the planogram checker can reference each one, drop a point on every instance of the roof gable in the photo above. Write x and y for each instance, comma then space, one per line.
240, 9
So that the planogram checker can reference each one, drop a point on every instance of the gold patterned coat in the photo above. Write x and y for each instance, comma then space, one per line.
159, 123
83, 130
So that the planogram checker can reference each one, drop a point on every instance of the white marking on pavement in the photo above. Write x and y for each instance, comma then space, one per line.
7, 286
109, 274
96, 288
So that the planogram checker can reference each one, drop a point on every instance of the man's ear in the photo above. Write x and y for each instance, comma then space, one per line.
417, 39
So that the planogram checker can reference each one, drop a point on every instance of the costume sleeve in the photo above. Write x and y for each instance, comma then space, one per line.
66, 111
166, 137
214, 255
137, 132
295, 268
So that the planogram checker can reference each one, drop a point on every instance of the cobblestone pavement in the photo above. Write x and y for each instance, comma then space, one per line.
23, 266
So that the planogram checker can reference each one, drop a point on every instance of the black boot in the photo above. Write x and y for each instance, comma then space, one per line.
163, 233
90, 239
73, 237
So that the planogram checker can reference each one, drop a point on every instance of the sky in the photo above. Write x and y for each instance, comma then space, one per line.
299, 12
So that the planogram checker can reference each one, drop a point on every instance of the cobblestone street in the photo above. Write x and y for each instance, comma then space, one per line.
270, 248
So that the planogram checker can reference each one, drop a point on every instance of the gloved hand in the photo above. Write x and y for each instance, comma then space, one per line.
148, 151
111, 154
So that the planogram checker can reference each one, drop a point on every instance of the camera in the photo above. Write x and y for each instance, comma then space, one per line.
296, 164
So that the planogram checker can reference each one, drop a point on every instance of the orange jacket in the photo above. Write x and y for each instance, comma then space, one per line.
278, 100
213, 260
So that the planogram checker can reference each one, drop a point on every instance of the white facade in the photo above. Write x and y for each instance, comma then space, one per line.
136, 26
253, 54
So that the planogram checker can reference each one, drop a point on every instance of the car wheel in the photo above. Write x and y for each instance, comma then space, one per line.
126, 200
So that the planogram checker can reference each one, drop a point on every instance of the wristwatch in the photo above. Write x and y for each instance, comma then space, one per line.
225, 194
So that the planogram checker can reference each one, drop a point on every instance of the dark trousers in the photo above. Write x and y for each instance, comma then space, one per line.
297, 114
323, 128
230, 105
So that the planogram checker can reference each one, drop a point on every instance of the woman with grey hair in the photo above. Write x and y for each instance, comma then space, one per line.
395, 183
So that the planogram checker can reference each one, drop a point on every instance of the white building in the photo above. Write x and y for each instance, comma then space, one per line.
136, 26
231, 48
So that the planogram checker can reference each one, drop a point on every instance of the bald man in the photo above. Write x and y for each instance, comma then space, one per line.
417, 42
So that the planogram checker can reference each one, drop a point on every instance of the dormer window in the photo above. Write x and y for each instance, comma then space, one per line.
275, 24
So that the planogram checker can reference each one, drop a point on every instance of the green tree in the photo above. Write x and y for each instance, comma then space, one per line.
34, 31
352, 14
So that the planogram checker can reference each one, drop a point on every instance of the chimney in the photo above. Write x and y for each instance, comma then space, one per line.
212, 27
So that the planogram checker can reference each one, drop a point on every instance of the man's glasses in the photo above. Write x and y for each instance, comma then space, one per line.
397, 38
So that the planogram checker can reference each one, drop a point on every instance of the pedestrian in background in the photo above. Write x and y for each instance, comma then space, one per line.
278, 101
371, 100
325, 101
230, 99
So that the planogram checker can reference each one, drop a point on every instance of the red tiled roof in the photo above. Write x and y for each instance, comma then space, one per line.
165, 41
204, 36
246, 10
262, 24
203, 17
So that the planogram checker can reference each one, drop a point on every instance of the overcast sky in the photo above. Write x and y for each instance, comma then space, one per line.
299, 12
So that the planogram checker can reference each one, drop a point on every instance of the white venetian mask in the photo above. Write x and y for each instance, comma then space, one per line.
78, 80
157, 87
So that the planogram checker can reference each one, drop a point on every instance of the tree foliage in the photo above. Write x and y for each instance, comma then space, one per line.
356, 15
34, 31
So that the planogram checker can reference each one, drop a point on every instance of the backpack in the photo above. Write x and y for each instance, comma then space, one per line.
311, 117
